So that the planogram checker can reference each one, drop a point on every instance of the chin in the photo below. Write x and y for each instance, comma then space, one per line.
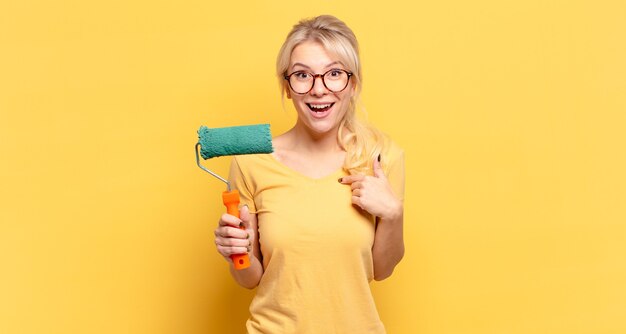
321, 129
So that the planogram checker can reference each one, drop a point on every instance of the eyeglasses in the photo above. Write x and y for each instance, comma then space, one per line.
302, 82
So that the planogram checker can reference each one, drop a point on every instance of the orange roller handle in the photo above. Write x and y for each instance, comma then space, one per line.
231, 201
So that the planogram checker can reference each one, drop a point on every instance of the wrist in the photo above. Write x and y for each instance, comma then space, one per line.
394, 213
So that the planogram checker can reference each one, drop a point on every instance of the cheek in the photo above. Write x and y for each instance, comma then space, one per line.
345, 102
299, 105
344, 110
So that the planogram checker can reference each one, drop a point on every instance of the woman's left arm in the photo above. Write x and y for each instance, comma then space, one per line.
375, 195
388, 247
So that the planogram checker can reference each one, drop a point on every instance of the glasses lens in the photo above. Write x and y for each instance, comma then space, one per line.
336, 80
301, 82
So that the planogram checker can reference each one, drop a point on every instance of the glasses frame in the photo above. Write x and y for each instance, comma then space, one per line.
315, 76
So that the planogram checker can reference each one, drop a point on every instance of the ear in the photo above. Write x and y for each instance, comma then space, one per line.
352, 89
287, 90
352, 83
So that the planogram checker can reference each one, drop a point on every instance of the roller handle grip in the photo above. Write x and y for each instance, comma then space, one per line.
231, 201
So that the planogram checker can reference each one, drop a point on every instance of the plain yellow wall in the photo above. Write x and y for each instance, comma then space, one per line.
512, 115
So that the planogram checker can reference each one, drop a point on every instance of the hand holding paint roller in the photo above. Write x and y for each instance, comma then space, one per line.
237, 140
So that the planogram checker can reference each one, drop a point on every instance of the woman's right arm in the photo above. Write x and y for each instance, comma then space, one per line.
229, 240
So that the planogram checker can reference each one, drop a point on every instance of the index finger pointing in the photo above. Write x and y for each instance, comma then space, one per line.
351, 178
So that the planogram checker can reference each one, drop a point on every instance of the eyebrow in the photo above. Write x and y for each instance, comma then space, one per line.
327, 66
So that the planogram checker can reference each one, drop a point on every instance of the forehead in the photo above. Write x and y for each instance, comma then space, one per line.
313, 55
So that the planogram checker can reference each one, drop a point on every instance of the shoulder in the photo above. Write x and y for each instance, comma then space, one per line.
392, 162
380, 141
249, 161
249, 168
392, 153
393, 149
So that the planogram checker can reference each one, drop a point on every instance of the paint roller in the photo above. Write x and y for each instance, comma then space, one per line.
236, 140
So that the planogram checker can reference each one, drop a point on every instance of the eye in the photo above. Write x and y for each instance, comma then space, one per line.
301, 75
335, 73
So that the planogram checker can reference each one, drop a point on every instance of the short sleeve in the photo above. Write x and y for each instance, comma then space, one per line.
395, 172
238, 178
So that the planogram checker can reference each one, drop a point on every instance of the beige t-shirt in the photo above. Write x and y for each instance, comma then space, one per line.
316, 247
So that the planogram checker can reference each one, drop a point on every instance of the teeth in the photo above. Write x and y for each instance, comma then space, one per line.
319, 106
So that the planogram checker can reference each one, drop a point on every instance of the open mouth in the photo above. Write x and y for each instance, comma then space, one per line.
319, 108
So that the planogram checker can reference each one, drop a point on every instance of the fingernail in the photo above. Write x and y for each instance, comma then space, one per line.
379, 158
340, 180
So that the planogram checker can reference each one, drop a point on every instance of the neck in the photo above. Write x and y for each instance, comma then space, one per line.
314, 143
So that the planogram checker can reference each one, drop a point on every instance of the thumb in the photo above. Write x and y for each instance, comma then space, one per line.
378, 169
244, 215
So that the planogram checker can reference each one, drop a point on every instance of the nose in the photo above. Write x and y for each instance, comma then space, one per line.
319, 89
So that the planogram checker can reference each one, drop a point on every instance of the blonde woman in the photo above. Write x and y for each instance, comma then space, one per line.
324, 212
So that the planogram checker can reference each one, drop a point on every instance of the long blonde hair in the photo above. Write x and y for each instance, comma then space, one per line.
362, 142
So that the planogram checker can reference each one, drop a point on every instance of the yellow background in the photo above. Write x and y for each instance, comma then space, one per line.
512, 115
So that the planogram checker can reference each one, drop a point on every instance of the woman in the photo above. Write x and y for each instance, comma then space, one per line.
323, 213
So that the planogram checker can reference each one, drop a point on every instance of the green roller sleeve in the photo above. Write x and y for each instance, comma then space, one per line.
236, 140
